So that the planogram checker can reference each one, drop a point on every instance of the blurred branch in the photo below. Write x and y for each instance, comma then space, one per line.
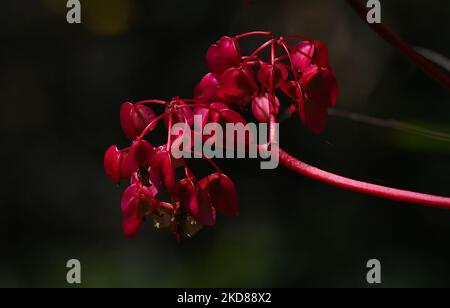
391, 124
391, 37
435, 57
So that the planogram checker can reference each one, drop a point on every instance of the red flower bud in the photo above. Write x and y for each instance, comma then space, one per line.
207, 88
114, 164
135, 118
223, 55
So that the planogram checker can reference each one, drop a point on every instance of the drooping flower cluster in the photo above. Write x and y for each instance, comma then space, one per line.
192, 202
237, 85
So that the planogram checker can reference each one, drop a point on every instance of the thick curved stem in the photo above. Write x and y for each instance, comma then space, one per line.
403, 47
298, 166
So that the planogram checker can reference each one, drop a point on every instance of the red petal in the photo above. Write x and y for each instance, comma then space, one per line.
226, 115
161, 167
207, 88
261, 107
112, 163
321, 54
126, 122
184, 115
301, 57
237, 85
223, 55
128, 166
321, 86
308, 53
280, 74
131, 220
139, 156
142, 116
137, 203
135, 118
314, 116
197, 202
222, 192
131, 225
204, 113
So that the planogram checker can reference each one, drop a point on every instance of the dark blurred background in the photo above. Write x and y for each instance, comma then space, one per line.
61, 87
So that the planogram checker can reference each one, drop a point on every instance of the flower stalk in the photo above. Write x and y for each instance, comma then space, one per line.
296, 165
392, 38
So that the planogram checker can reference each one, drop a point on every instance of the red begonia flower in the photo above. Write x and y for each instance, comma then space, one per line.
137, 202
261, 107
135, 118
222, 193
196, 201
237, 85
139, 156
141, 152
114, 164
223, 55
162, 167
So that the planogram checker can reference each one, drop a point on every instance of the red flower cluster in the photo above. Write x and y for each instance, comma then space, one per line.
193, 202
302, 72
235, 83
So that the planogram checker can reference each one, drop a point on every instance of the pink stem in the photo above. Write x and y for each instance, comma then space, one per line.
291, 62
169, 134
150, 126
253, 34
261, 48
403, 47
152, 101
298, 166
